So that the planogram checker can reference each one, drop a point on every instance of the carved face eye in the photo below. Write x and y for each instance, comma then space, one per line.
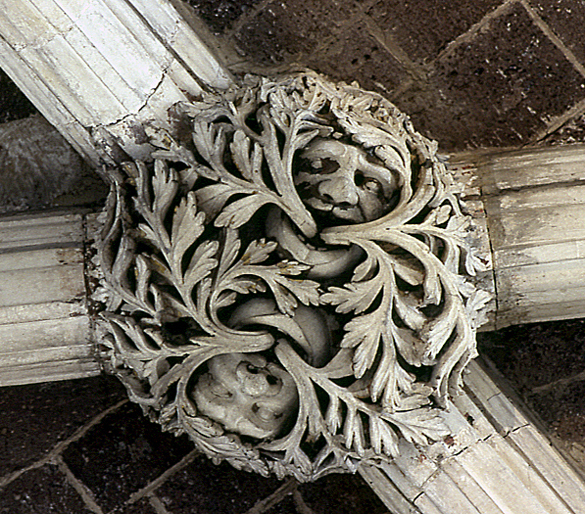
324, 166
219, 390
252, 369
368, 184
255, 370
264, 414
372, 186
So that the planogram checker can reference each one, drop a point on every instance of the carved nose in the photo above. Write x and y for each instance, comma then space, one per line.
255, 384
339, 190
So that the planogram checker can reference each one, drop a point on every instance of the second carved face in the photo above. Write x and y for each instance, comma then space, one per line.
344, 182
247, 394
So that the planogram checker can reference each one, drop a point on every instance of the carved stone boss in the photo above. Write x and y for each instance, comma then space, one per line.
291, 284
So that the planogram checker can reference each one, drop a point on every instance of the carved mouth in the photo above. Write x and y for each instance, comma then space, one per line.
350, 213
319, 204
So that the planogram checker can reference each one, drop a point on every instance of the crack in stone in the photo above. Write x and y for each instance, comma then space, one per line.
154, 90
41, 43
106, 143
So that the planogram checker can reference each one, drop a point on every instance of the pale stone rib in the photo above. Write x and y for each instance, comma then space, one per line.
50, 371
108, 65
44, 326
534, 207
497, 463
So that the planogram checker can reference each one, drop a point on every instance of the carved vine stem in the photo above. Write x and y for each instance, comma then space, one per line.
292, 285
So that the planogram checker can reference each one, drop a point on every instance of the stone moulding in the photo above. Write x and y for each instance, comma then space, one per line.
291, 284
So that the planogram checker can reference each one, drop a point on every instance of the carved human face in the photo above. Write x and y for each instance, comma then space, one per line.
246, 394
344, 182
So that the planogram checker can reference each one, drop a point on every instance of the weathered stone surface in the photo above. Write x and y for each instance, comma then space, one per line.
44, 322
573, 131
554, 388
566, 18
37, 165
422, 28
356, 54
122, 454
492, 94
42, 490
72, 63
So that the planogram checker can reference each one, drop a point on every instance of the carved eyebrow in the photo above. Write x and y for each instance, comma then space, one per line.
323, 151
302, 177
219, 389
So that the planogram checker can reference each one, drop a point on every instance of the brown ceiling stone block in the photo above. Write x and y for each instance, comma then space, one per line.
356, 55
206, 488
34, 418
283, 30
43, 490
342, 494
563, 410
286, 506
13, 104
122, 454
220, 15
142, 506
551, 351
500, 88
423, 28
567, 19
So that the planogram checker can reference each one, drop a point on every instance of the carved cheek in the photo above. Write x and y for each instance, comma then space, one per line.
257, 419
287, 398
271, 412
275, 411
209, 403
268, 416
266, 419
371, 205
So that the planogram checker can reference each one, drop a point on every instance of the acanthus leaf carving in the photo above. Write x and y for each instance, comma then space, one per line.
292, 287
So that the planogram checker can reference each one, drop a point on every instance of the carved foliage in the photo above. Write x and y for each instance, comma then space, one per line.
195, 266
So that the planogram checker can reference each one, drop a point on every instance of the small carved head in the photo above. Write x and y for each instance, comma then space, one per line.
345, 182
247, 394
